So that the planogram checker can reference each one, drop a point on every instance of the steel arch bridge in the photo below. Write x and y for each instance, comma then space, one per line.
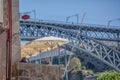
87, 40
99, 32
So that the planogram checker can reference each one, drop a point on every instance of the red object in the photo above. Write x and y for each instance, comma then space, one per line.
9, 39
25, 17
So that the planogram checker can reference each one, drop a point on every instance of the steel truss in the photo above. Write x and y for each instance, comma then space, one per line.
86, 58
95, 31
84, 43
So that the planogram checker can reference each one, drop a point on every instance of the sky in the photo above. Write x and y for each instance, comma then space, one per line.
97, 11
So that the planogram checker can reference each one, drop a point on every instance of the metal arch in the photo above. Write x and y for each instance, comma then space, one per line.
87, 44
100, 66
99, 50
100, 33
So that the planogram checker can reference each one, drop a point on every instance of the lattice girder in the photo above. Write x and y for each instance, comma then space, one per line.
87, 44
94, 31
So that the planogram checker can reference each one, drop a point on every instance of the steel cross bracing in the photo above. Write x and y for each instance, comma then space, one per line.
99, 50
86, 58
31, 28
87, 44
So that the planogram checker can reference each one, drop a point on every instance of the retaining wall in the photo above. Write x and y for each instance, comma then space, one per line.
29, 71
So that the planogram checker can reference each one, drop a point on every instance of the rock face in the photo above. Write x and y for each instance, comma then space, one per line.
29, 71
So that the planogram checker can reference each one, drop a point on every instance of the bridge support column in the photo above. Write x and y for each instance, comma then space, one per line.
118, 37
40, 61
51, 58
66, 76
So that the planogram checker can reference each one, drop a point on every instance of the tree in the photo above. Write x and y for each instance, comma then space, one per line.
109, 75
74, 64
74, 69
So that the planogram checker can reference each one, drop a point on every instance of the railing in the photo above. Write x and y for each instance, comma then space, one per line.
72, 23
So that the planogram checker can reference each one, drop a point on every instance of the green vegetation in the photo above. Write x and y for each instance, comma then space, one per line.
74, 64
109, 75
90, 72
74, 69
77, 70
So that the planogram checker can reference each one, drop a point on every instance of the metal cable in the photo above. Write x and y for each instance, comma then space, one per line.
74, 45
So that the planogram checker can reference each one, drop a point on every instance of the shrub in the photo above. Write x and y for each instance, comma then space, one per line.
109, 75
74, 64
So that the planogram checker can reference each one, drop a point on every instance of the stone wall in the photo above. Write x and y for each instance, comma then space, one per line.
5, 14
29, 71
15, 36
3, 56
3, 26
15, 32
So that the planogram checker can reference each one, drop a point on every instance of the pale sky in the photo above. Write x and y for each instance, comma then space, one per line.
97, 11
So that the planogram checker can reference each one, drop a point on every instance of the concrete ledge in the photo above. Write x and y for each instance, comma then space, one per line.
30, 71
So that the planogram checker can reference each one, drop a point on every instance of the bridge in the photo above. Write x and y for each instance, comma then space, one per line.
89, 38
100, 32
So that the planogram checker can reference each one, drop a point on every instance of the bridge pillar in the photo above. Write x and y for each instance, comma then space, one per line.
118, 37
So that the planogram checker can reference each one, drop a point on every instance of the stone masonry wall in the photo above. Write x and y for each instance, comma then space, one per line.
3, 56
29, 71
15, 32
4, 25
15, 36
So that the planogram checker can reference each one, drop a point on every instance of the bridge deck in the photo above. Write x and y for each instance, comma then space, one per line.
88, 27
